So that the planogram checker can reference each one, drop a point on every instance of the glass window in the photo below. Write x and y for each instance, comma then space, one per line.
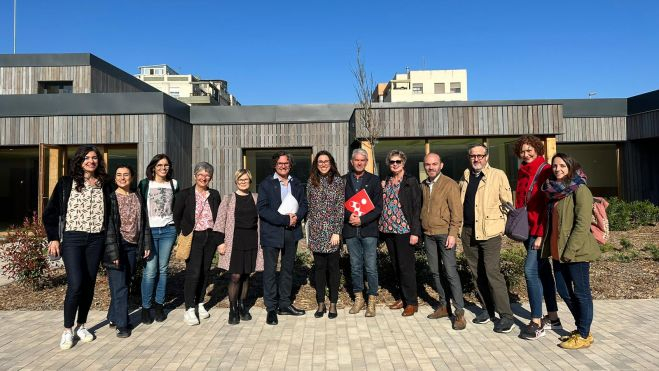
55, 87
259, 163
454, 155
502, 156
456, 87
413, 149
20, 184
599, 162
417, 88
440, 88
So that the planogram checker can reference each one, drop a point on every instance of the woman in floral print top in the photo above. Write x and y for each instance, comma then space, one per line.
325, 194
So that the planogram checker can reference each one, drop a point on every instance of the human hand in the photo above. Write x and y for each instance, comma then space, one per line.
53, 248
537, 243
222, 248
414, 239
293, 220
354, 220
450, 242
335, 239
147, 253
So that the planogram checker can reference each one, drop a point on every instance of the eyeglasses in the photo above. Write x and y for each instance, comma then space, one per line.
477, 157
398, 162
163, 166
324, 162
243, 180
283, 163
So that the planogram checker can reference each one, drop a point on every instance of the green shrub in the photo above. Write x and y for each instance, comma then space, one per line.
512, 265
644, 213
625, 244
625, 256
606, 247
24, 254
654, 251
624, 216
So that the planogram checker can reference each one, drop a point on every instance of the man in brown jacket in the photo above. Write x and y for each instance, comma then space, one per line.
441, 217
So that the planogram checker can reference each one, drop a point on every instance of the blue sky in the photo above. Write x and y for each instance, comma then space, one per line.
298, 52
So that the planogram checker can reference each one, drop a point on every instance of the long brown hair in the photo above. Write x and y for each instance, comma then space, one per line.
78, 173
315, 175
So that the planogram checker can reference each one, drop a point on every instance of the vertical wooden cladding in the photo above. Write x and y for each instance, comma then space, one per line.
102, 82
466, 121
594, 129
643, 125
25, 80
222, 144
640, 174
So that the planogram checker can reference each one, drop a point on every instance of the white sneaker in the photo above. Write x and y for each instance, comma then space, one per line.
190, 318
66, 342
84, 335
203, 313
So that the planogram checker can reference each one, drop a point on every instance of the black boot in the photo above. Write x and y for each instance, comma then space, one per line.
146, 316
234, 315
244, 311
160, 313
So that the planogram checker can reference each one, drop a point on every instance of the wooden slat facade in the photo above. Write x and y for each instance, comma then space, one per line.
640, 170
593, 129
643, 125
222, 145
153, 134
461, 121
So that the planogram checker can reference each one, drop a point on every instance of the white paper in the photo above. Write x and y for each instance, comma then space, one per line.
288, 205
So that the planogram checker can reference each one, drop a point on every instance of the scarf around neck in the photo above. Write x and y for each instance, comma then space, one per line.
556, 190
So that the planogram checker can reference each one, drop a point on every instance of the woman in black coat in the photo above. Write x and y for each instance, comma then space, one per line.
127, 241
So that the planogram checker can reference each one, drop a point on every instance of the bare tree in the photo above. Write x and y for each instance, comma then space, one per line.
364, 88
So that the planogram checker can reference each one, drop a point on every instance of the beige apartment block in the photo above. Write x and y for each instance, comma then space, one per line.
189, 89
424, 86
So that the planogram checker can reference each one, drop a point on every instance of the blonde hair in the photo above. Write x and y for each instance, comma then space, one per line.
240, 172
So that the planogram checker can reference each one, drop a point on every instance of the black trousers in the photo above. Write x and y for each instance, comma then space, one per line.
325, 263
198, 267
283, 287
403, 261
82, 254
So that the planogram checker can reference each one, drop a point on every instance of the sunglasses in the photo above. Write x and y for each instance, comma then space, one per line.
398, 162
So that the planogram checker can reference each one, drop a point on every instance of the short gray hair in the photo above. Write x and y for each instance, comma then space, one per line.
203, 166
474, 145
359, 151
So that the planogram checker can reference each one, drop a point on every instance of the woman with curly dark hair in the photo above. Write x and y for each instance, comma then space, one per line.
75, 220
325, 194
532, 174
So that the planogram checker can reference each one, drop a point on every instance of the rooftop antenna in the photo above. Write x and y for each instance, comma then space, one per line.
592, 94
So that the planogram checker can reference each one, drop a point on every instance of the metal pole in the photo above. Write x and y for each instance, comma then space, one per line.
14, 26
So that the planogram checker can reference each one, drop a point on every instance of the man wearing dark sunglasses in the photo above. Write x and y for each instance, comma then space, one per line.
483, 189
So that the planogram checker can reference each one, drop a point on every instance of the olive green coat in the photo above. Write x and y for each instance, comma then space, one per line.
575, 241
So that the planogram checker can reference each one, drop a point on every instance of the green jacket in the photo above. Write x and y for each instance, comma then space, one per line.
575, 241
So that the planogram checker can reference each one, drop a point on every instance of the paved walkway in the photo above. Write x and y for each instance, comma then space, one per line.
626, 337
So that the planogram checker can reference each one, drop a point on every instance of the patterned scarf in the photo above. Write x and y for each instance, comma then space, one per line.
556, 190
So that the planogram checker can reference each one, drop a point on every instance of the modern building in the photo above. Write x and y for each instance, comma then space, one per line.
51, 103
189, 89
424, 86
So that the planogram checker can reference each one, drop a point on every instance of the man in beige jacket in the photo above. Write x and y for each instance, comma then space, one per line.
441, 217
483, 190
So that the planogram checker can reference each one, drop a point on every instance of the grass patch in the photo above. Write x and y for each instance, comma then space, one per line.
653, 250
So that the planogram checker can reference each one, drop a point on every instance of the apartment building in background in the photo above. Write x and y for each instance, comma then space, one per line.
189, 89
424, 86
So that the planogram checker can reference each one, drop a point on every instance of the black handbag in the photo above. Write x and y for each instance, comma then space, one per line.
517, 224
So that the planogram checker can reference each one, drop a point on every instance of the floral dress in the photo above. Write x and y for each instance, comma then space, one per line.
392, 219
325, 216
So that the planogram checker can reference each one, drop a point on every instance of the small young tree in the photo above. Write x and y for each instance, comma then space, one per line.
23, 254
364, 87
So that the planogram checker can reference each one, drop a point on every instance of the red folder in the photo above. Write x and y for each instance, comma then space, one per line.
360, 204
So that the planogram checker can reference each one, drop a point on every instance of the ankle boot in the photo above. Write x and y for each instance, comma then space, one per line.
146, 316
370, 309
358, 304
234, 316
244, 312
160, 312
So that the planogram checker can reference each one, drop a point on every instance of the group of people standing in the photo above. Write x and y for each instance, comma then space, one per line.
88, 222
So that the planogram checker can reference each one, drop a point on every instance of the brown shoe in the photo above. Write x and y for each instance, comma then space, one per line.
441, 312
358, 304
460, 322
396, 305
370, 309
410, 310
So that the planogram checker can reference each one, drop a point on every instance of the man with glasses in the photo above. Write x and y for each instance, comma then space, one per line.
279, 234
483, 190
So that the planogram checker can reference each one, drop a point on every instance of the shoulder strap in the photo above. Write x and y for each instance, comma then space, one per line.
535, 177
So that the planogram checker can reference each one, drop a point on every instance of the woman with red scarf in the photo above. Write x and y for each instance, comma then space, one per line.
533, 172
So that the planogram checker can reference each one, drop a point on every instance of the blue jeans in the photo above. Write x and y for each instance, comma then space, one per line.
573, 285
364, 254
119, 280
155, 271
81, 253
539, 281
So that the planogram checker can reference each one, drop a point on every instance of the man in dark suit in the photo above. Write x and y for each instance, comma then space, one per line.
361, 232
279, 234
